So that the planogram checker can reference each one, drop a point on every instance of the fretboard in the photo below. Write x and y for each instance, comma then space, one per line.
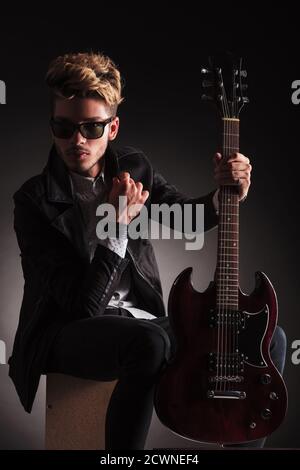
227, 273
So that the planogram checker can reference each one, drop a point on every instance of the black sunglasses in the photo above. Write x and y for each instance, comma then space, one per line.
89, 130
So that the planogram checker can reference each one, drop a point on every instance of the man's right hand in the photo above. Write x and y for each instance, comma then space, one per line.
123, 185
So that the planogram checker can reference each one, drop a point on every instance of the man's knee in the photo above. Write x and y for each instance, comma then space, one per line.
149, 350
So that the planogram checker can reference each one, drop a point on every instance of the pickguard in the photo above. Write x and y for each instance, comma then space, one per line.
251, 338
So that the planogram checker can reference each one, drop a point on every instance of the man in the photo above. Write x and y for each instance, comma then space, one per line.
93, 307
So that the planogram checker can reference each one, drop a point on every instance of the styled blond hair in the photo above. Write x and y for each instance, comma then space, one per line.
85, 74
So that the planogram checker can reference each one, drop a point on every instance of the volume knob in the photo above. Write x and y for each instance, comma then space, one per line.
266, 379
266, 413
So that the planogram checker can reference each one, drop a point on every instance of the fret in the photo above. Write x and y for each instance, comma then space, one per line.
228, 265
224, 264
227, 277
222, 231
230, 133
232, 306
226, 284
229, 297
227, 254
228, 292
234, 283
228, 289
227, 223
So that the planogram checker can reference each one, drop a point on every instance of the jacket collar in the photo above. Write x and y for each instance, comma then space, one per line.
68, 220
58, 184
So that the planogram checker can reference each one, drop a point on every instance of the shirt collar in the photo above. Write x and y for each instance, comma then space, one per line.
87, 185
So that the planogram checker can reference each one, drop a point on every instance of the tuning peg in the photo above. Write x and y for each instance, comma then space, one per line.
206, 98
245, 99
205, 71
207, 83
244, 73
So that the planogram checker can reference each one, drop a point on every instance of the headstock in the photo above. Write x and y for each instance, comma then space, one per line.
223, 84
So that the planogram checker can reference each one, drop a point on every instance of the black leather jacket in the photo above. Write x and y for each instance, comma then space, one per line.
61, 284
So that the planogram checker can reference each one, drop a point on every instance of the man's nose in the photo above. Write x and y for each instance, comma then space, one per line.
77, 138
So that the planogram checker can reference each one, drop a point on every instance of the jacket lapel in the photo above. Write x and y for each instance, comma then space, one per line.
61, 206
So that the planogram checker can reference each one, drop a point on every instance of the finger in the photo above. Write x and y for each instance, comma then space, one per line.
238, 157
134, 209
123, 175
237, 165
236, 173
144, 196
233, 164
217, 158
139, 187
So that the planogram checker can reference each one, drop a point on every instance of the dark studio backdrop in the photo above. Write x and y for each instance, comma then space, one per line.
160, 57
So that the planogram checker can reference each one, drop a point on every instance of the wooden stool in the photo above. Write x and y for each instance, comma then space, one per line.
76, 412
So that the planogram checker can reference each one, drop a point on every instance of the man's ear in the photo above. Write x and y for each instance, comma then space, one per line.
114, 128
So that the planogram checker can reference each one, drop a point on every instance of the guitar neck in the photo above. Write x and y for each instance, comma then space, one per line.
227, 274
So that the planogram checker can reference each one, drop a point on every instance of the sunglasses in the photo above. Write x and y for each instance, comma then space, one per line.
89, 130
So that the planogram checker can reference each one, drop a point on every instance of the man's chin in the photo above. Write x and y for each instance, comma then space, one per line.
79, 165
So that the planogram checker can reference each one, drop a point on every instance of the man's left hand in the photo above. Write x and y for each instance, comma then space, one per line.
236, 170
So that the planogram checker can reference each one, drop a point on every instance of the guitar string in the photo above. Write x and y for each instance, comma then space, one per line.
222, 303
237, 266
224, 267
233, 199
224, 273
228, 283
235, 353
230, 286
229, 257
237, 360
224, 270
218, 310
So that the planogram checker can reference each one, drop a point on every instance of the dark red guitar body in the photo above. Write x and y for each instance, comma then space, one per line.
182, 399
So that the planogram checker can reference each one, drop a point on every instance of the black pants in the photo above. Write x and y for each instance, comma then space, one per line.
117, 346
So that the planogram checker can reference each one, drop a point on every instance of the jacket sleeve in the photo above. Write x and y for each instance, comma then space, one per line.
164, 192
79, 289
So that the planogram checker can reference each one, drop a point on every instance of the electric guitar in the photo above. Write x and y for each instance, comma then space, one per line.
222, 386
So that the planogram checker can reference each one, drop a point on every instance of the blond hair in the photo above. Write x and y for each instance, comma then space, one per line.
85, 74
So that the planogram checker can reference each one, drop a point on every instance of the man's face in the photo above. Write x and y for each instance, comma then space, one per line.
80, 154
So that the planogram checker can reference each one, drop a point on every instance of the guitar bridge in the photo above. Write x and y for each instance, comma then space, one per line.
227, 394
226, 379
